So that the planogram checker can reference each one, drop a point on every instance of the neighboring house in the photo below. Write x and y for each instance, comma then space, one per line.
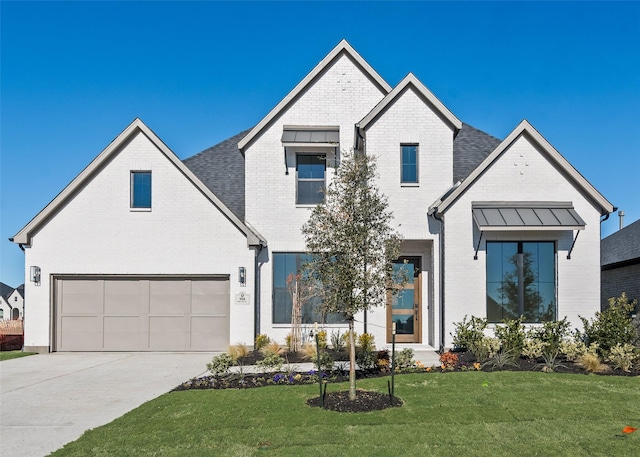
11, 302
144, 252
620, 264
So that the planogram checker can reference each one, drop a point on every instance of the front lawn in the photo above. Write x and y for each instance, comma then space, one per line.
444, 414
7, 355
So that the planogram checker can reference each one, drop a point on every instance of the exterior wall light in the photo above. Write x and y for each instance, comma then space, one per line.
35, 275
242, 276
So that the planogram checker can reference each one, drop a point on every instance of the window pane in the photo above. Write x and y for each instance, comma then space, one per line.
310, 192
285, 264
404, 324
539, 278
502, 281
409, 167
141, 189
311, 167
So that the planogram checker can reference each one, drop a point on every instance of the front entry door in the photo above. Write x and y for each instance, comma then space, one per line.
405, 307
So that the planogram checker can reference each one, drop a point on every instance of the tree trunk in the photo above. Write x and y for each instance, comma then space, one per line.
352, 361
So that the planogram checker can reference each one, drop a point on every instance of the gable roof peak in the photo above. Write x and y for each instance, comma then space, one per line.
524, 127
342, 47
391, 97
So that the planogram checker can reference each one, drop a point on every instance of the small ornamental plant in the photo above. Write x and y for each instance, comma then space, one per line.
449, 361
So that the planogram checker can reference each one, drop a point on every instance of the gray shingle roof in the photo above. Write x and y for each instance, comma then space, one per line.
221, 169
5, 290
621, 246
470, 147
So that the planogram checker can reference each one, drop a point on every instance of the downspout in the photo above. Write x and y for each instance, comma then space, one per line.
256, 293
441, 220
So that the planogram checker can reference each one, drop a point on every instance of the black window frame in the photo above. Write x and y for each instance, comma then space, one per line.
322, 157
522, 290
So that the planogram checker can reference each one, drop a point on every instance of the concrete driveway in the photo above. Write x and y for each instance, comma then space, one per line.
49, 400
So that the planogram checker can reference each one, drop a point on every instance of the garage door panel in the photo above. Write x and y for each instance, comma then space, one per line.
142, 314
170, 304
83, 304
210, 287
81, 333
210, 304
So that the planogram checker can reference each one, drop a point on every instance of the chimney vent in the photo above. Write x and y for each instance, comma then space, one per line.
621, 216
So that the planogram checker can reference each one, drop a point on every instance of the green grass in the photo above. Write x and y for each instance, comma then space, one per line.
8, 355
445, 414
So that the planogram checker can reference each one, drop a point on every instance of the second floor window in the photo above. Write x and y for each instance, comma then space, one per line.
310, 172
409, 163
140, 189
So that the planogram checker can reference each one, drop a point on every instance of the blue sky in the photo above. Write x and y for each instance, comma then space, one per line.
74, 74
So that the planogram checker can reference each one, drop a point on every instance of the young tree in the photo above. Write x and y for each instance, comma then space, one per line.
352, 246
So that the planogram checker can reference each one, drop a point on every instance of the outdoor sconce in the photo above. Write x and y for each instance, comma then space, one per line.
242, 276
35, 275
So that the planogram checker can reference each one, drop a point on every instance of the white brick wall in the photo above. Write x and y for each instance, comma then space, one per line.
523, 173
342, 96
97, 233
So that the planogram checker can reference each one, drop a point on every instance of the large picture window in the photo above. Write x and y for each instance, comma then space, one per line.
521, 281
285, 264
310, 171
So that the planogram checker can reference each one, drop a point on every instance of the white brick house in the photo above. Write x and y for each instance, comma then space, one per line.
144, 252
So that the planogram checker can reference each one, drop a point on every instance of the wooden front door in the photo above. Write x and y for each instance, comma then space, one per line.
405, 308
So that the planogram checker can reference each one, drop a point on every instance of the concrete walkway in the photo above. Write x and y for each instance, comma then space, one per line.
49, 400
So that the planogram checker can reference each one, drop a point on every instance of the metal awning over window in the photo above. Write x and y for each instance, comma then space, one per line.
310, 135
495, 216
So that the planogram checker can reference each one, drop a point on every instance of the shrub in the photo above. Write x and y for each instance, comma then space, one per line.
220, 364
309, 351
572, 349
287, 341
592, 363
366, 342
551, 363
271, 361
345, 338
238, 351
622, 356
404, 358
552, 333
469, 333
449, 361
635, 323
533, 348
383, 360
322, 339
511, 334
261, 341
612, 326
325, 363
365, 359
485, 348
337, 342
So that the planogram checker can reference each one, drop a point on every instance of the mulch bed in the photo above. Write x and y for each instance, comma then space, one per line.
369, 401
365, 401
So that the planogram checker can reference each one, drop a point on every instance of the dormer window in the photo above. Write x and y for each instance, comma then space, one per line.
310, 176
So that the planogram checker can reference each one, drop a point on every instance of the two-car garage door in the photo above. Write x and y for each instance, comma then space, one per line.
131, 313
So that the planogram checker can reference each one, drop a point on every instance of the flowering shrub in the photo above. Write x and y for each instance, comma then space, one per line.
449, 361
